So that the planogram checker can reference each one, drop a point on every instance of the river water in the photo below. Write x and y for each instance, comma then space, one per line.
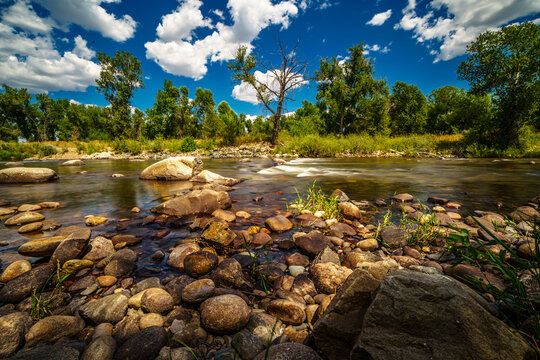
477, 184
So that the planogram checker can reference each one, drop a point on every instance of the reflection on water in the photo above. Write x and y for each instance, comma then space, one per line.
474, 183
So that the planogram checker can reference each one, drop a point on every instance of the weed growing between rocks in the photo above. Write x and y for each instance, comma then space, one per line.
520, 301
263, 276
317, 203
44, 303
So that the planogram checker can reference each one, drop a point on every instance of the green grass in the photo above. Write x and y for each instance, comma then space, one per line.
43, 304
316, 200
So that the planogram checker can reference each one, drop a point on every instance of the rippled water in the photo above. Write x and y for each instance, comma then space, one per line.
474, 183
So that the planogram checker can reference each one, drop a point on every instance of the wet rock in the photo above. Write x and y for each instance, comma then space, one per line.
146, 344
206, 176
95, 220
200, 263
49, 204
340, 229
166, 353
22, 286
224, 215
119, 267
527, 250
75, 265
177, 285
40, 247
50, 225
15, 269
28, 207
101, 348
350, 211
83, 283
145, 284
151, 319
444, 220
287, 311
53, 328
243, 215
327, 256
328, 277
72, 247
312, 243
26, 175
196, 202
175, 168
470, 331
261, 239
7, 211
340, 195
100, 248
13, 328
218, 233
110, 308
394, 236
375, 265
106, 281
278, 223
125, 239
309, 220
179, 253
224, 314
229, 274
472, 274
75, 162
198, 291
523, 213
24, 218
401, 198
289, 351
157, 300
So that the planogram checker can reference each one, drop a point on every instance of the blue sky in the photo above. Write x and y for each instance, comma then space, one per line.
51, 45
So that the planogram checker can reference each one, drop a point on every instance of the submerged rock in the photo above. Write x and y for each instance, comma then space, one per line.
26, 175
206, 176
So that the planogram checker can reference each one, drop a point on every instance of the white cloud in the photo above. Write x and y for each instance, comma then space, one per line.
182, 55
92, 16
376, 48
460, 21
180, 24
82, 50
22, 16
218, 13
245, 92
380, 18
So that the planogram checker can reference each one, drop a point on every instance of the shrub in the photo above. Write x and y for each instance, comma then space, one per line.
133, 147
47, 150
188, 144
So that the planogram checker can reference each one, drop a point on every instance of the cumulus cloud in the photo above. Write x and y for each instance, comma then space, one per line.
380, 18
92, 16
29, 59
178, 53
22, 16
458, 22
245, 92
376, 48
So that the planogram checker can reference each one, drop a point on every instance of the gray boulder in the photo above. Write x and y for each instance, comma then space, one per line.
26, 175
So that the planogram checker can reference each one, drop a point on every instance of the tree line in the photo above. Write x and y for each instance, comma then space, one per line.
498, 110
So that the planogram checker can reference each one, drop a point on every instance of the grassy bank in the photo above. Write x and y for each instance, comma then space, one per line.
305, 146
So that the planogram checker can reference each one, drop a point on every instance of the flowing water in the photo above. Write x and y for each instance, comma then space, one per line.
477, 184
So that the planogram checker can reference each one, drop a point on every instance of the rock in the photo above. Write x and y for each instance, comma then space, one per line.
444, 220
200, 263
75, 265
340, 229
50, 225
56, 352
110, 308
224, 314
99, 248
101, 348
471, 274
15, 269
88, 281
106, 281
198, 291
328, 277
95, 220
196, 202
126, 328
71, 247
261, 239
229, 274
175, 168
350, 211
24, 218
298, 259
247, 345
327, 256
76, 162
146, 344
289, 351
340, 195
26, 175
224, 215
53, 328
296, 270
40, 247
177, 285
309, 220
312, 243
368, 244
469, 331
122, 263
394, 237
206, 176
303, 286
22, 286
117, 175
287, 311
35, 226
157, 300
151, 319
218, 233
373, 264
166, 353
125, 239
145, 284
179, 253
243, 215
278, 223
49, 204
527, 250
13, 328
522, 213
401, 198
7, 211
28, 207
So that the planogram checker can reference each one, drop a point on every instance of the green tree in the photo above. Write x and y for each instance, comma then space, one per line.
137, 120
231, 126
506, 64
51, 112
306, 120
205, 113
120, 76
165, 112
343, 83
17, 110
408, 109
276, 89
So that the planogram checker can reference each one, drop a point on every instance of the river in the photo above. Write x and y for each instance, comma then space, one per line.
477, 184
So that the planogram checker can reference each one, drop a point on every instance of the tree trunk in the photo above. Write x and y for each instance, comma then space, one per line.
277, 118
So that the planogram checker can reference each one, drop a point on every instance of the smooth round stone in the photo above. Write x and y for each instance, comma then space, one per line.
151, 319
289, 351
15, 269
26, 175
13, 327
49, 204
179, 254
224, 215
296, 270
368, 244
243, 215
24, 218
74, 265
289, 312
156, 300
198, 291
40, 247
53, 328
200, 263
278, 223
28, 207
106, 281
101, 348
7, 211
95, 220
102, 329
224, 314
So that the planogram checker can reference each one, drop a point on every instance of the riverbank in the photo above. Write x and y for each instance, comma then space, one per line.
245, 275
313, 146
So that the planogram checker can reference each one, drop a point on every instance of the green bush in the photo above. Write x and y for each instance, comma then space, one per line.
188, 144
133, 147
47, 150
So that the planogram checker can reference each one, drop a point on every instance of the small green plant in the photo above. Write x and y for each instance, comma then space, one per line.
186, 346
188, 144
42, 304
316, 200
266, 284
423, 231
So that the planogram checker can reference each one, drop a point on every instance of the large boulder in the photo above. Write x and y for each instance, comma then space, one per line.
175, 168
419, 316
206, 176
26, 175
195, 203
22, 286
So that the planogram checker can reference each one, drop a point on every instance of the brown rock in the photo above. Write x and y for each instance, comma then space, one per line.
200, 263
195, 203
179, 253
328, 277
278, 223
157, 300
287, 311
350, 211
224, 314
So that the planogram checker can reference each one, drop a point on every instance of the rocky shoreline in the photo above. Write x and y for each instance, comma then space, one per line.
294, 285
